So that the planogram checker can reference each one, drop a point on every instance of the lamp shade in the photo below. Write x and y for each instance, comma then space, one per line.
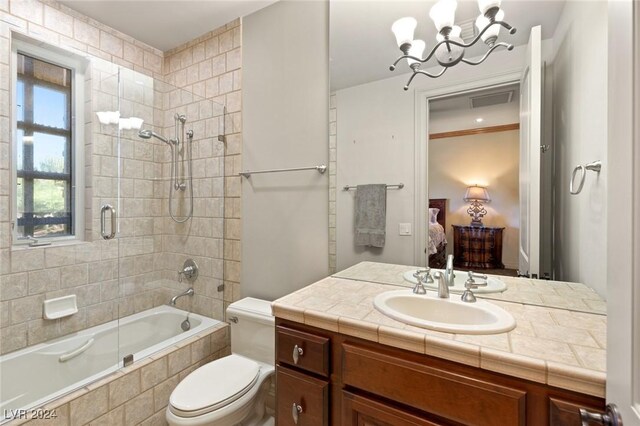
443, 13
477, 193
416, 50
485, 5
493, 31
403, 29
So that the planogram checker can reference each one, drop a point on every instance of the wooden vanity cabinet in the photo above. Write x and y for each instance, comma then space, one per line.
364, 383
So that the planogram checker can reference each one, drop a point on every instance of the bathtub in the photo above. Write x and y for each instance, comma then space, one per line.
37, 374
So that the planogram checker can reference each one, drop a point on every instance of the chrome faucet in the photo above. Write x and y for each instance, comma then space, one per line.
443, 288
449, 276
188, 292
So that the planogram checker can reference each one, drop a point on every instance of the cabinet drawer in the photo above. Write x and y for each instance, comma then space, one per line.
295, 390
451, 396
302, 350
358, 410
567, 413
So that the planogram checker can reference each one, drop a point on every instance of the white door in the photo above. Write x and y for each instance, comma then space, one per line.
623, 211
530, 137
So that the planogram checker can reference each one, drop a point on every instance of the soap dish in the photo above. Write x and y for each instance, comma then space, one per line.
60, 307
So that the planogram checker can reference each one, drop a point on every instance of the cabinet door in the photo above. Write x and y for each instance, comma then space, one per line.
361, 411
301, 400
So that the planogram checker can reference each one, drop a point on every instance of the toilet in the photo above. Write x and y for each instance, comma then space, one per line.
232, 390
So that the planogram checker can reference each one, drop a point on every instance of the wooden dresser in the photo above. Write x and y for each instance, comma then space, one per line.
477, 247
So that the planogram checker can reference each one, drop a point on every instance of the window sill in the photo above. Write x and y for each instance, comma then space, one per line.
59, 243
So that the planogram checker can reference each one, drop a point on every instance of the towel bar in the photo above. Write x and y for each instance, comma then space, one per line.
396, 186
321, 169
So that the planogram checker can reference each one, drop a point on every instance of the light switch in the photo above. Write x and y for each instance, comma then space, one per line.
404, 228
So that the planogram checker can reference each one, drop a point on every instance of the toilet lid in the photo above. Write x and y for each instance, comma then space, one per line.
214, 385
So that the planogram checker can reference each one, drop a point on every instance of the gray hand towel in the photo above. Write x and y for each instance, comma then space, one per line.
371, 215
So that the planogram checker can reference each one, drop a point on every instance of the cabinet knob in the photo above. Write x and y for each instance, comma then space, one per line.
297, 353
611, 417
296, 410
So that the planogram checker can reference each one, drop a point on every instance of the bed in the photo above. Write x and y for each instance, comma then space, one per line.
437, 243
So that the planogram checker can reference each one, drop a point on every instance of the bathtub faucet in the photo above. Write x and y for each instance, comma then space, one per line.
188, 292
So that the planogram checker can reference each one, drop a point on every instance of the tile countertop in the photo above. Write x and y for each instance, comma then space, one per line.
561, 348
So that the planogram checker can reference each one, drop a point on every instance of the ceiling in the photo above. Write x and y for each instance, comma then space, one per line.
363, 46
165, 24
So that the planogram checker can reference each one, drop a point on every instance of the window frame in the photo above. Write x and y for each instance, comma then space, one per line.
77, 65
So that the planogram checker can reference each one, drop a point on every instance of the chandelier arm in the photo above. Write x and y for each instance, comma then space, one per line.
416, 72
475, 40
393, 67
486, 55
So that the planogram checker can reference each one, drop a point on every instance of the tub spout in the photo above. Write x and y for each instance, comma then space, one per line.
188, 292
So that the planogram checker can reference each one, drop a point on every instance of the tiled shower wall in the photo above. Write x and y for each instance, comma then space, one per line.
146, 256
208, 67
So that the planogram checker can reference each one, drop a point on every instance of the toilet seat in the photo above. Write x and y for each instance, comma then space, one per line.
214, 385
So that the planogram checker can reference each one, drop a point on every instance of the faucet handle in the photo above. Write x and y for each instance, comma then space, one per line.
477, 275
471, 283
424, 275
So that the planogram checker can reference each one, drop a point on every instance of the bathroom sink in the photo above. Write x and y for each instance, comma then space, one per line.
494, 285
448, 315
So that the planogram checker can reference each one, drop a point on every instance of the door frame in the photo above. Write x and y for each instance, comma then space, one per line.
623, 198
421, 147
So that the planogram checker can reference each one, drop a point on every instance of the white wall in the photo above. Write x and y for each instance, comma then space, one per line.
580, 136
375, 144
491, 160
285, 124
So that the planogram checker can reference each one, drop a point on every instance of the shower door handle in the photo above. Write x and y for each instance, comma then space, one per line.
103, 214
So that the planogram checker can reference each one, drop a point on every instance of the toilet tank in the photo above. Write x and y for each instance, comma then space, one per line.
253, 334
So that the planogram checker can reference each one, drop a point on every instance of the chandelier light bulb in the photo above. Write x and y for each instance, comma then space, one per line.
443, 13
403, 29
416, 50
485, 5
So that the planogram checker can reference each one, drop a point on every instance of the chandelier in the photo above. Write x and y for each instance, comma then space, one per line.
450, 48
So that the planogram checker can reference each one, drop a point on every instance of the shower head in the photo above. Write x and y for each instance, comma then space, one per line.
147, 134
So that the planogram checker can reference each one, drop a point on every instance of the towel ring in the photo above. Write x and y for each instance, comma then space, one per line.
596, 166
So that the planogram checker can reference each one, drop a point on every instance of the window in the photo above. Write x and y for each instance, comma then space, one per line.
46, 150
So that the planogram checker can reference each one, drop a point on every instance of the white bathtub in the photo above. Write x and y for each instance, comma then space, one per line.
37, 374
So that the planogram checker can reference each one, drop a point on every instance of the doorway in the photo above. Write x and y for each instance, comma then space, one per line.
473, 161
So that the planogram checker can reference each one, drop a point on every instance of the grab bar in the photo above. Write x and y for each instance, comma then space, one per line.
596, 166
74, 353
103, 215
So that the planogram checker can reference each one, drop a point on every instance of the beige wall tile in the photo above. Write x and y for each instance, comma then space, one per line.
139, 408
89, 406
111, 44
154, 373
124, 389
162, 392
111, 418
179, 360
